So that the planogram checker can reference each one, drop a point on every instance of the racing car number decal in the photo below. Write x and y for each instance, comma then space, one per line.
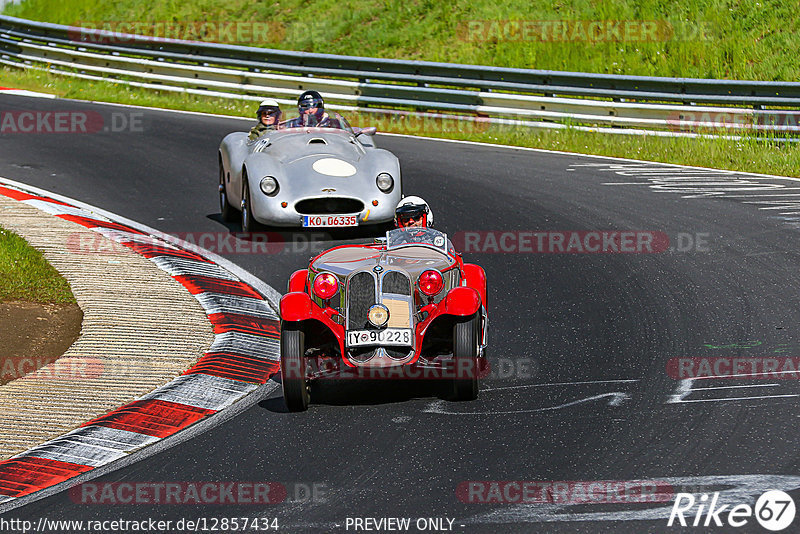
317, 221
390, 336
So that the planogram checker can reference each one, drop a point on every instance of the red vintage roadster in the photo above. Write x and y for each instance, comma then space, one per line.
403, 306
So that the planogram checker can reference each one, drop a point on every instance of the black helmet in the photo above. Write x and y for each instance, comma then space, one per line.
269, 107
310, 99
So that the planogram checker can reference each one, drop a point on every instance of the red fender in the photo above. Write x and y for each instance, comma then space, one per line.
297, 282
475, 277
295, 306
298, 306
462, 301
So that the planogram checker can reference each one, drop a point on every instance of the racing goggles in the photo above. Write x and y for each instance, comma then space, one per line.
310, 103
407, 217
269, 112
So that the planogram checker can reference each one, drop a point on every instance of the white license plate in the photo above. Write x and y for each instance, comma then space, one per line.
389, 336
326, 221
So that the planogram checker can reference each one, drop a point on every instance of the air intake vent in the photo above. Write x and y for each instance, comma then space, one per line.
360, 296
317, 141
329, 205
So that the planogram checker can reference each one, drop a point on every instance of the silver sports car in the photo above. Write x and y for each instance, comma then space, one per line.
308, 177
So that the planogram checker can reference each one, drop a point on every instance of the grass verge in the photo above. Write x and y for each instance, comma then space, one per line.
747, 155
675, 38
26, 276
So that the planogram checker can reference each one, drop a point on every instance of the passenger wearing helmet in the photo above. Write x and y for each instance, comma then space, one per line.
269, 115
413, 212
312, 113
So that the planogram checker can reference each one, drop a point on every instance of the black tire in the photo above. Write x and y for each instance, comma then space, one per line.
249, 224
225, 209
466, 337
294, 381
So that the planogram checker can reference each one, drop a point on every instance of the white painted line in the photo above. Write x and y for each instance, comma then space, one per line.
725, 399
773, 195
737, 387
24, 92
766, 373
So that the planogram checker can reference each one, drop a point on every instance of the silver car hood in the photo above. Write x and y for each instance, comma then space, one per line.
291, 146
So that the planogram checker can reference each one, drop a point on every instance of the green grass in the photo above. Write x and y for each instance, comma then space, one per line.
696, 38
26, 276
748, 155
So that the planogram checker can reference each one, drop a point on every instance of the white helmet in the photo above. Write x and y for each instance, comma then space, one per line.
412, 206
270, 107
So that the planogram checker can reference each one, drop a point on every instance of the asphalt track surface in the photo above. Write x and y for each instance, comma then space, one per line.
579, 343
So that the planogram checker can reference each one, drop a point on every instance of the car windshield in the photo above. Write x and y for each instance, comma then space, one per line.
403, 237
334, 121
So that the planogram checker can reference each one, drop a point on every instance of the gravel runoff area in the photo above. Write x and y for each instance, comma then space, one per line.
140, 330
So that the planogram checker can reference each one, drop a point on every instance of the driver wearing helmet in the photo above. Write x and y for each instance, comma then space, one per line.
269, 114
413, 212
312, 113
413, 216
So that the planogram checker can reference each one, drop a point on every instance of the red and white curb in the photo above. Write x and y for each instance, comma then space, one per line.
243, 355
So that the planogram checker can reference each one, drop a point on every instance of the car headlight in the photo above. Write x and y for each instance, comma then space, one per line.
325, 285
378, 315
385, 182
269, 185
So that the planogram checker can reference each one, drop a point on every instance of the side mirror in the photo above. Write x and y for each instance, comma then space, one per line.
365, 131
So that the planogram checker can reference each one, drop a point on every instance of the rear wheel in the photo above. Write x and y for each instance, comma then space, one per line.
466, 337
249, 224
294, 379
225, 209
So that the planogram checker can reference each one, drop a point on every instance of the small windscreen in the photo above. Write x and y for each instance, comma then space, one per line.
403, 237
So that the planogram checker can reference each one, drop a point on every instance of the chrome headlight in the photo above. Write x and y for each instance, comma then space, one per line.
269, 185
378, 315
385, 182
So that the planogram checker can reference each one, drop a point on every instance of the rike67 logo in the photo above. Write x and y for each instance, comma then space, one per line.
774, 510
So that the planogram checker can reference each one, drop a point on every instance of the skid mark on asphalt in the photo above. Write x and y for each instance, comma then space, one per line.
543, 401
554, 396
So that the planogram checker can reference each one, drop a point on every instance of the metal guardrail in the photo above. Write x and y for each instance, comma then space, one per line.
629, 104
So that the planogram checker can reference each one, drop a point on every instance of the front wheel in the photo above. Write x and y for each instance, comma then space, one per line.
249, 224
466, 338
226, 210
294, 378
